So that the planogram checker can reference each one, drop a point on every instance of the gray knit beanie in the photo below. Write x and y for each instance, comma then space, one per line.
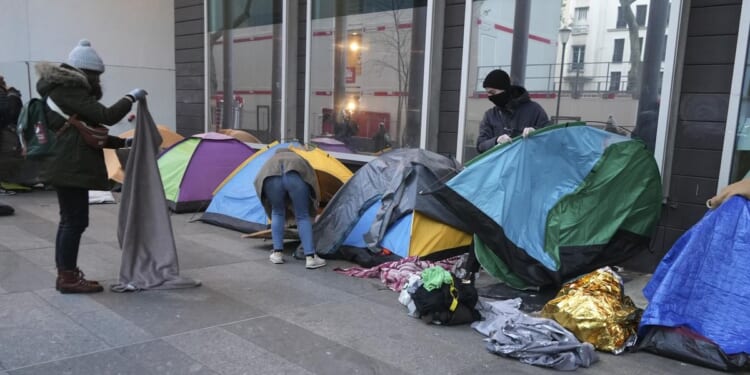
85, 57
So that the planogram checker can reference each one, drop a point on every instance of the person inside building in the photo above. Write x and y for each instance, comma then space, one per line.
513, 113
381, 140
76, 168
288, 178
346, 128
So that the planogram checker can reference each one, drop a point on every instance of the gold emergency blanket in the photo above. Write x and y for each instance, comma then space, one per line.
596, 310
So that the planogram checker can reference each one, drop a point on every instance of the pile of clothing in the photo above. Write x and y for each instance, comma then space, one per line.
438, 297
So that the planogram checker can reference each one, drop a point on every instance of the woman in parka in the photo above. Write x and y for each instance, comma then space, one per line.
76, 167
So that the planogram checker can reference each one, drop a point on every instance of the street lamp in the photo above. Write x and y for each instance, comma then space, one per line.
564, 36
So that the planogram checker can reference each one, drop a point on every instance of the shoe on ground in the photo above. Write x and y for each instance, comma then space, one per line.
276, 257
313, 262
7, 192
72, 281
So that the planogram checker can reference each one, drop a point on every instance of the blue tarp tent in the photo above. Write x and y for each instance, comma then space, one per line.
703, 283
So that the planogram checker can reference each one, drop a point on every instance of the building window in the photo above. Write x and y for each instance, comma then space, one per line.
244, 67
618, 50
640, 15
614, 81
581, 14
579, 53
366, 69
620, 18
586, 82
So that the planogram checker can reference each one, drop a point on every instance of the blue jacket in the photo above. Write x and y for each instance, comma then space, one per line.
518, 114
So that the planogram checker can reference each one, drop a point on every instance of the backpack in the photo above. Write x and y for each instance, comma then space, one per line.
34, 134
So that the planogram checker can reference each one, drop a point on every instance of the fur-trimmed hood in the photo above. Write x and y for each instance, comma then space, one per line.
51, 76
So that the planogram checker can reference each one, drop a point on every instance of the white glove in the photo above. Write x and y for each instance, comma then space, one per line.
138, 94
503, 139
527, 131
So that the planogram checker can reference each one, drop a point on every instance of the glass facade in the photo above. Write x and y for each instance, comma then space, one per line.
611, 42
244, 59
741, 156
367, 65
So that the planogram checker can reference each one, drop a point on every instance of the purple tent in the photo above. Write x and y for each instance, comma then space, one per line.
193, 168
330, 144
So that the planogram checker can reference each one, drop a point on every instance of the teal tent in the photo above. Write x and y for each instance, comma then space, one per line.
563, 202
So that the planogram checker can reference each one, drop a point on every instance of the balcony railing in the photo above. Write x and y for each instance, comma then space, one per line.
591, 78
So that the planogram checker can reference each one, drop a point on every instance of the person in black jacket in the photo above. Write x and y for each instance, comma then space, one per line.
10, 108
514, 113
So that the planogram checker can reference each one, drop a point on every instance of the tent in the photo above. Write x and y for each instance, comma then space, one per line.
561, 203
699, 295
236, 205
192, 168
381, 208
115, 169
331, 144
240, 134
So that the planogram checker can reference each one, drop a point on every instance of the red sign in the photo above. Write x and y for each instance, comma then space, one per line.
351, 75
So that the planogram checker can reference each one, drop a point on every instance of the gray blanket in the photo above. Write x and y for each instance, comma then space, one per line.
149, 255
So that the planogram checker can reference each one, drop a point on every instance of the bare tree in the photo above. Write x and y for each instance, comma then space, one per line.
398, 45
635, 48
213, 37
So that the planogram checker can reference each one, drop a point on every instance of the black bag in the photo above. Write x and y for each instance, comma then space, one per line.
451, 304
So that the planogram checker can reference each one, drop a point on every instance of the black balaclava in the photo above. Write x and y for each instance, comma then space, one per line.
501, 99
498, 79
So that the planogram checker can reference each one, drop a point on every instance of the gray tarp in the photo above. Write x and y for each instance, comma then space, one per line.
149, 256
396, 178
534, 341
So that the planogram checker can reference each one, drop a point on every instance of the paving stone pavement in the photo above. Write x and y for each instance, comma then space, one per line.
249, 317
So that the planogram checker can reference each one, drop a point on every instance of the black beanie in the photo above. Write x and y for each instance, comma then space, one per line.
497, 79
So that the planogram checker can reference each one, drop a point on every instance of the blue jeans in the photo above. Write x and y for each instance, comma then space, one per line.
276, 189
74, 218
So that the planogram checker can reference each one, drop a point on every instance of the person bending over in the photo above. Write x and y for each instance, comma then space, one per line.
288, 177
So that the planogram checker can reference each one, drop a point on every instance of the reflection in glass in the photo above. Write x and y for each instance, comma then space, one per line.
612, 70
244, 60
366, 61
741, 157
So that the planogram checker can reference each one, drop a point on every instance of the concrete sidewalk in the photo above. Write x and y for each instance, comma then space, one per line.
249, 317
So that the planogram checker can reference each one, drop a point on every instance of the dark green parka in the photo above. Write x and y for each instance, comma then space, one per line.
75, 164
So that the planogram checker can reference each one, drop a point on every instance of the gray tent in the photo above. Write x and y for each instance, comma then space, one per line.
381, 207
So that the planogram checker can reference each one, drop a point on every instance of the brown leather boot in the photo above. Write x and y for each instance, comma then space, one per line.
80, 274
73, 282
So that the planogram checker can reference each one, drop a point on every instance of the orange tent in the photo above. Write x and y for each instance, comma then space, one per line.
115, 169
240, 135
